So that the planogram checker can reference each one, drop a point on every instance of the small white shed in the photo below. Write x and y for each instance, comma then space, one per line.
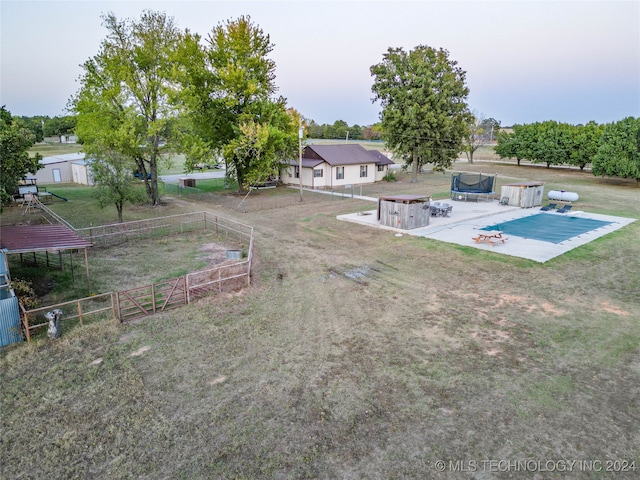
67, 168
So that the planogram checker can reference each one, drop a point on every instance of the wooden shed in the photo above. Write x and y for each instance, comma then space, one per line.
187, 182
404, 211
522, 194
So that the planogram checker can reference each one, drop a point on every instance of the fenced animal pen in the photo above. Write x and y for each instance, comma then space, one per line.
150, 299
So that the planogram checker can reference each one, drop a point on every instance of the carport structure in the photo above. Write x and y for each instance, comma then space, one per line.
47, 239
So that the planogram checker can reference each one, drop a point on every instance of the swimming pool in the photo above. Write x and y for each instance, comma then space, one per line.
548, 227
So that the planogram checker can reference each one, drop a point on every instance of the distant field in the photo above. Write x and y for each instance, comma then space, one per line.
175, 163
53, 149
369, 144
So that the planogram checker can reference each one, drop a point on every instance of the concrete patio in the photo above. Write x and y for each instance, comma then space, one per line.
467, 218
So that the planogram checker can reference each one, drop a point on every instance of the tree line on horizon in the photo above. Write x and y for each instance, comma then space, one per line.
153, 90
44, 126
612, 149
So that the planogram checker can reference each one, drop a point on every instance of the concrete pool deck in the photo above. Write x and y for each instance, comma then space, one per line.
468, 218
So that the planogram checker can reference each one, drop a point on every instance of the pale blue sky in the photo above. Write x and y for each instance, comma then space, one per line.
526, 61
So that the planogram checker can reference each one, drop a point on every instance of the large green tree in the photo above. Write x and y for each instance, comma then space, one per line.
553, 143
229, 105
619, 153
34, 125
58, 126
261, 146
123, 104
586, 141
425, 114
15, 162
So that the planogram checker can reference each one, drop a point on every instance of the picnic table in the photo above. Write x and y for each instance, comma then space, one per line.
490, 238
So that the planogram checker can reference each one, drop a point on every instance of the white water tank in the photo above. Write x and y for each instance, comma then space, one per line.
562, 196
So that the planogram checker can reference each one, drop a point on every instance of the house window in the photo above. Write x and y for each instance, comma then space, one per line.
56, 175
339, 173
381, 168
296, 172
318, 173
363, 170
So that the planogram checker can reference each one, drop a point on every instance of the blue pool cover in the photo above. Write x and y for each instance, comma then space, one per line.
548, 227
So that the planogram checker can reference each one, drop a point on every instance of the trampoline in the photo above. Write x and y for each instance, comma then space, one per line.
548, 227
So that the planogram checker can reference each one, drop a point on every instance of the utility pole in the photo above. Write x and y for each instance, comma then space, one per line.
300, 133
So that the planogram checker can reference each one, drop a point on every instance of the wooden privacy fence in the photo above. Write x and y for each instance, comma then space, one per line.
169, 294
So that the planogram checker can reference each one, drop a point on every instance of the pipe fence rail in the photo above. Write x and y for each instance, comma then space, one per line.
150, 299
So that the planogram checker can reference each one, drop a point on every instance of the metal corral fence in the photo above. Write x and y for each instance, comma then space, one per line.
258, 200
286, 196
173, 293
84, 309
117, 233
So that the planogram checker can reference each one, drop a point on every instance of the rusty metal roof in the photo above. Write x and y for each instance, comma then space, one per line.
35, 238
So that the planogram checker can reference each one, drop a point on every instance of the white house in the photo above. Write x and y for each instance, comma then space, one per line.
67, 168
329, 166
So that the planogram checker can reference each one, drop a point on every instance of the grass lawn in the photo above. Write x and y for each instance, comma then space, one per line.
354, 354
53, 149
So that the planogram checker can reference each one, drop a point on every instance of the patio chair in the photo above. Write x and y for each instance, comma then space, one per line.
551, 206
564, 209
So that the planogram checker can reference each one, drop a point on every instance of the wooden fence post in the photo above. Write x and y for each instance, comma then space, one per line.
153, 297
25, 322
118, 306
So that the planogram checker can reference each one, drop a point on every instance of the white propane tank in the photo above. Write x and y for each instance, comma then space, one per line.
562, 196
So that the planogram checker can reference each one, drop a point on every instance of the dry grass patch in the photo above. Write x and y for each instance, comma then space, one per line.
354, 354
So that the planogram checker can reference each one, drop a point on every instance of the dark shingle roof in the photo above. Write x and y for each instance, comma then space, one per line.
347, 155
306, 162
382, 158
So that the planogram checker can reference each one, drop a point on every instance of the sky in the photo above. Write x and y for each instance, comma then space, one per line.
525, 61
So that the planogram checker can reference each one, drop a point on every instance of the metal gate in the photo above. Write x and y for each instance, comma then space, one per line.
151, 299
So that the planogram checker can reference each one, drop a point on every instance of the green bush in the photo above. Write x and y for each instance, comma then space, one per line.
390, 176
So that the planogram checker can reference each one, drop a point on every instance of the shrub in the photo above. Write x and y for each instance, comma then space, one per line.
390, 176
25, 293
